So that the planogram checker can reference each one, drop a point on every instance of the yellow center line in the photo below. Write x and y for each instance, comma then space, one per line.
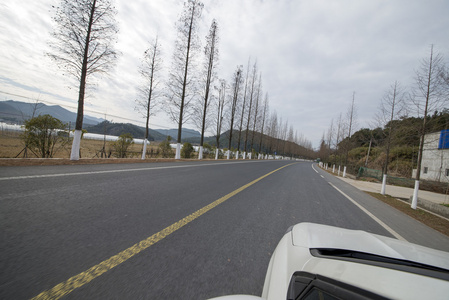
87, 276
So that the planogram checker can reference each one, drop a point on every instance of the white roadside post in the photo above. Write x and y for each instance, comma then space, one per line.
178, 151
200, 153
415, 195
384, 183
344, 171
75, 153
145, 141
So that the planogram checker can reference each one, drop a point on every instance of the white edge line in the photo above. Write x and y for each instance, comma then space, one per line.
314, 169
118, 171
394, 233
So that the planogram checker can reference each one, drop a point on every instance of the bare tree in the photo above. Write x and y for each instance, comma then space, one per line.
236, 83
252, 95
264, 116
242, 117
283, 136
290, 140
340, 136
256, 112
181, 89
221, 104
273, 132
391, 107
351, 116
149, 69
83, 45
210, 64
429, 95
330, 137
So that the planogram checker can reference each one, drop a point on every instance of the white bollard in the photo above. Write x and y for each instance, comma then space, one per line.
200, 153
144, 151
178, 151
415, 195
384, 183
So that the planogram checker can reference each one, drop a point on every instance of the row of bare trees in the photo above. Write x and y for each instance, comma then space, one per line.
428, 95
83, 42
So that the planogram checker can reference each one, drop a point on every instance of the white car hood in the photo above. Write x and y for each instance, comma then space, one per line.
311, 236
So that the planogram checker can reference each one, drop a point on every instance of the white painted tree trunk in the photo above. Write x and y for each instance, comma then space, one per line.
338, 170
415, 195
228, 154
249, 155
75, 154
344, 172
237, 155
333, 169
216, 154
244, 155
178, 151
384, 184
144, 151
200, 153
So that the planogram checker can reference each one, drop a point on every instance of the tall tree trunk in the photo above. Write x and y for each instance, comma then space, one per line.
75, 153
184, 84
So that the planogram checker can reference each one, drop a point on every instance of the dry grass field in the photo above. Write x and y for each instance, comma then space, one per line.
11, 146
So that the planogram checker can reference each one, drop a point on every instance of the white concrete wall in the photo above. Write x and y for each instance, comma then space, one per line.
435, 160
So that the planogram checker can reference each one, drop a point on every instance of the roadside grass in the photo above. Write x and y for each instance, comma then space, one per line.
435, 222
11, 145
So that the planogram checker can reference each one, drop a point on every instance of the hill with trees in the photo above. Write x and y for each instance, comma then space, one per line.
367, 147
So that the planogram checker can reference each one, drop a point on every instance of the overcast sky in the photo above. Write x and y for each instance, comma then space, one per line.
312, 54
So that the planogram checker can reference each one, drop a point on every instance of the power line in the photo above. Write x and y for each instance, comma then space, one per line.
88, 110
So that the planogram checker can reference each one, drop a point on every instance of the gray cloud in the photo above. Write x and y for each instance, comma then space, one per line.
312, 54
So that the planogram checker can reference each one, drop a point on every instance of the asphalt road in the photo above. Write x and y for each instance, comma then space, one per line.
186, 230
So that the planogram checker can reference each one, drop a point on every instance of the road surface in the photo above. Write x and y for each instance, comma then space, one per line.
181, 230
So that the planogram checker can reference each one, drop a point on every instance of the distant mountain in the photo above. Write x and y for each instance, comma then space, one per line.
186, 133
117, 129
17, 111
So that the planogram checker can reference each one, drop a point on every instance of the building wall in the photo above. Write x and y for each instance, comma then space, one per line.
435, 162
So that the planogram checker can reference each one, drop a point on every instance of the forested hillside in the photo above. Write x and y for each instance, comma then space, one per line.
403, 155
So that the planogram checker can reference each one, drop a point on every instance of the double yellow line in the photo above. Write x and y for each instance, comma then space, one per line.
87, 276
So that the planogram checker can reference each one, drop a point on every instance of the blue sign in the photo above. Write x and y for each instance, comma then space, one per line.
444, 139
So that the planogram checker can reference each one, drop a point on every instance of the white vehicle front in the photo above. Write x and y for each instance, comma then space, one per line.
311, 257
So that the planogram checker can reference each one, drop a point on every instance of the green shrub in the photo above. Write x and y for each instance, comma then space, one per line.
187, 150
43, 133
166, 150
122, 144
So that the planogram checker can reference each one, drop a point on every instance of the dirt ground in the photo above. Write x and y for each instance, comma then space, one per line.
435, 222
